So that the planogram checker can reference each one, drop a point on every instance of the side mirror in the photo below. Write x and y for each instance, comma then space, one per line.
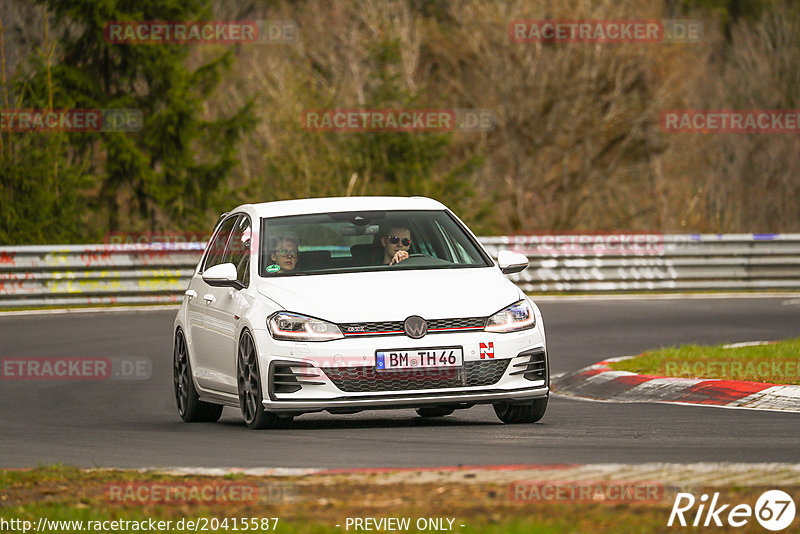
222, 275
511, 262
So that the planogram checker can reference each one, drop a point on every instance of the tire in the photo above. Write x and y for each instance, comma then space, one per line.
190, 407
435, 411
248, 381
521, 413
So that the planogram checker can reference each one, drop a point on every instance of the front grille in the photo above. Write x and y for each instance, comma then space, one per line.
466, 323
369, 380
378, 328
393, 328
535, 368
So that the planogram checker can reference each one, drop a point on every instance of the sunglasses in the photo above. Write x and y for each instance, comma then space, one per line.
283, 253
393, 239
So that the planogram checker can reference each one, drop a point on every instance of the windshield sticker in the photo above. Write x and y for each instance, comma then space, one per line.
273, 268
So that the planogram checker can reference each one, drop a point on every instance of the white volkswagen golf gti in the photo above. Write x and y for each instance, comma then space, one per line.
350, 304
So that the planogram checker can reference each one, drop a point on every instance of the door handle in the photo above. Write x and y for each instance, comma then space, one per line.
209, 298
190, 294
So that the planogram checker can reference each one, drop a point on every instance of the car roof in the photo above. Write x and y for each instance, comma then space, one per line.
304, 206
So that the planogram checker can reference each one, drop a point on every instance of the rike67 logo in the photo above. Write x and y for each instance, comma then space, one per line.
774, 510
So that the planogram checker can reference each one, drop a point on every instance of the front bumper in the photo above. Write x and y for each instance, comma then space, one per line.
322, 391
411, 400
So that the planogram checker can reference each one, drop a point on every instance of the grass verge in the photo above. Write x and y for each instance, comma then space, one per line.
319, 503
776, 363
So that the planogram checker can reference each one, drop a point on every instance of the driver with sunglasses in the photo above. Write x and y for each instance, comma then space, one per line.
396, 241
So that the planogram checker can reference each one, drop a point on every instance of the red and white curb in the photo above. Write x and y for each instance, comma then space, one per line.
600, 382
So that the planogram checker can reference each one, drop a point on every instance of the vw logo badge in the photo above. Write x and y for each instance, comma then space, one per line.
415, 327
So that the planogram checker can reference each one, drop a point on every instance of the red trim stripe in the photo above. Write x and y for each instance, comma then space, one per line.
372, 333
465, 328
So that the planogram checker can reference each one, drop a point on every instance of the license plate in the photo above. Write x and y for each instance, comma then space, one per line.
419, 358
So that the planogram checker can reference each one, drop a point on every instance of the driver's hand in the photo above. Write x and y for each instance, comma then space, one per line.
400, 256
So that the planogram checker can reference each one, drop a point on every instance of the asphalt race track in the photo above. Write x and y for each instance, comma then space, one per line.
134, 423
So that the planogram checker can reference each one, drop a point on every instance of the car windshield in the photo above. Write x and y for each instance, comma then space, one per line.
365, 241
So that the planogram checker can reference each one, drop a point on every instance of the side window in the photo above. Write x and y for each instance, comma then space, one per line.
461, 254
238, 250
455, 248
455, 243
420, 239
216, 248
441, 243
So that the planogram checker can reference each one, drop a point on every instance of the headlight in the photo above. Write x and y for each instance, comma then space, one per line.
518, 316
293, 327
